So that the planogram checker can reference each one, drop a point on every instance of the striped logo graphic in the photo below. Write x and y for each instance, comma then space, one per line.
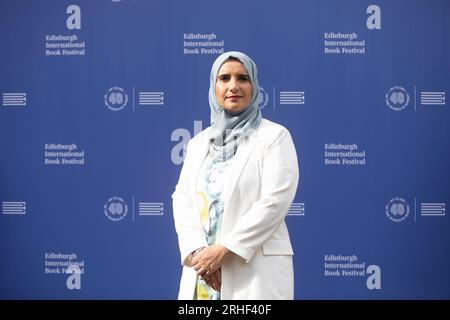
151, 98
432, 209
297, 209
15, 99
292, 97
151, 208
11, 207
432, 98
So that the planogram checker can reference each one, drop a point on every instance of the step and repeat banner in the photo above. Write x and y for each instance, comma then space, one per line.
99, 98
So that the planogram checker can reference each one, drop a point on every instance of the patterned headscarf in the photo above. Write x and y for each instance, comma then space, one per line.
229, 129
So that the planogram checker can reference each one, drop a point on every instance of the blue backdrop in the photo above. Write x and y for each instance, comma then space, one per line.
100, 97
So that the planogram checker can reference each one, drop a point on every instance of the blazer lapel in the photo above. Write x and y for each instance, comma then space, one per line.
240, 159
199, 156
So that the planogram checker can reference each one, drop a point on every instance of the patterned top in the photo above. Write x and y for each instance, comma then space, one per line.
211, 180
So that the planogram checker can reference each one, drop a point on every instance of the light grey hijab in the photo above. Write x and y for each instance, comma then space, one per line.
228, 129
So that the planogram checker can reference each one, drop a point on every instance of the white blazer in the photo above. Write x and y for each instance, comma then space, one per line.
259, 192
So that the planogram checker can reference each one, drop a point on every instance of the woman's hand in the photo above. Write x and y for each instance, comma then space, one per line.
207, 261
215, 281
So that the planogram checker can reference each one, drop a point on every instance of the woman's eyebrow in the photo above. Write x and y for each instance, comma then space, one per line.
228, 73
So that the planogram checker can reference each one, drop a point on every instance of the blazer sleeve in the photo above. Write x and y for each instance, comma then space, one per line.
278, 187
185, 213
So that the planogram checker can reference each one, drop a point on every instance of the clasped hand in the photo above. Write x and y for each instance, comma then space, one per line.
207, 263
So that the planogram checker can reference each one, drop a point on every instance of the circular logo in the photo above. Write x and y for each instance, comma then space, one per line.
263, 98
116, 98
115, 208
397, 209
397, 98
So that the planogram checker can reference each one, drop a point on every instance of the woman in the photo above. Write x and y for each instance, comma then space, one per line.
237, 183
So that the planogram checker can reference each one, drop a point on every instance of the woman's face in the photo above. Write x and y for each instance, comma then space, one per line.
233, 87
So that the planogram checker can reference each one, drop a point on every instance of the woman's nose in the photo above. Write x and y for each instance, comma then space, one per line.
233, 85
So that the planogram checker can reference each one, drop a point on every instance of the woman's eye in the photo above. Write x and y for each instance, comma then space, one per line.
244, 78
